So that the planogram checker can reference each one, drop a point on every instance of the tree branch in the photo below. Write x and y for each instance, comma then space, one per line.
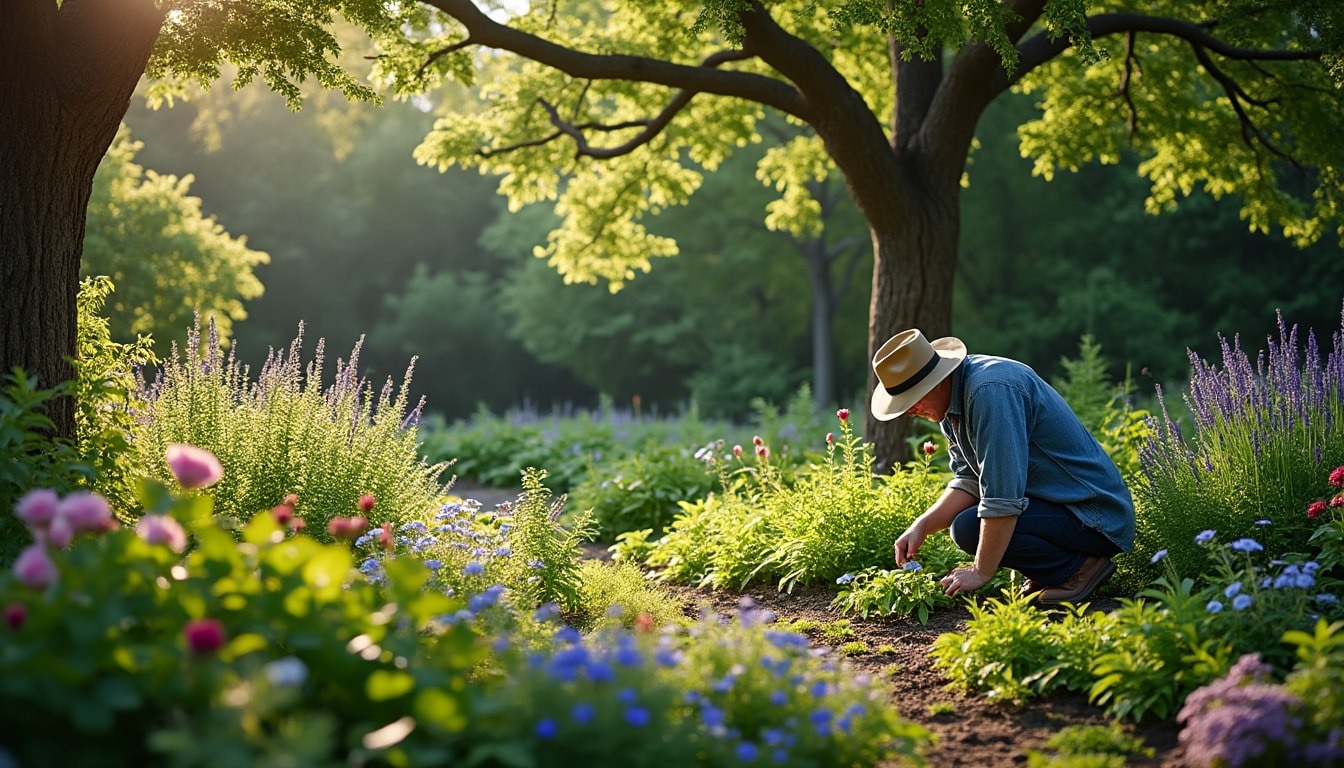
484, 31
436, 55
1132, 123
1039, 48
1236, 95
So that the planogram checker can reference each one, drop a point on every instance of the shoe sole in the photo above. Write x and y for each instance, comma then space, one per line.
1106, 571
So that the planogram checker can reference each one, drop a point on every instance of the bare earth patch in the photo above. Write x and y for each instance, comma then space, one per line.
971, 732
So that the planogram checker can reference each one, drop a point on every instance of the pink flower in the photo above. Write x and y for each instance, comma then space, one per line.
193, 467
929, 447
37, 507
347, 527
283, 513
763, 452
737, 450
830, 438
291, 500
757, 441
366, 502
298, 524
1337, 477
60, 533
204, 635
15, 615
842, 414
34, 568
1337, 500
162, 529
1315, 509
85, 511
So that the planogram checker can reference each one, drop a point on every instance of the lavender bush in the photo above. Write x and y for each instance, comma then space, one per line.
1260, 435
284, 433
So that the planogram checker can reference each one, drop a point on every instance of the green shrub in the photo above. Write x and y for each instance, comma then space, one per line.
805, 526
642, 490
618, 593
268, 651
284, 434
1010, 652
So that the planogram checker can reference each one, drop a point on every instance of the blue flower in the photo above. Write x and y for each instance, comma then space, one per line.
912, 566
1327, 598
546, 728
546, 611
1241, 602
600, 672
848, 577
819, 688
1264, 521
1158, 556
583, 712
746, 752
433, 564
1246, 545
780, 756
711, 715
568, 635
1205, 537
628, 657
503, 552
1214, 607
474, 568
637, 716
1233, 589
627, 696
779, 698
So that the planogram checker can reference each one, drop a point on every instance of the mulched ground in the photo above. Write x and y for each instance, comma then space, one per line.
971, 732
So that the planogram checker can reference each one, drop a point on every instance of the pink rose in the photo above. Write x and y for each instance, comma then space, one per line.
204, 635
34, 568
37, 507
283, 513
193, 467
162, 529
85, 511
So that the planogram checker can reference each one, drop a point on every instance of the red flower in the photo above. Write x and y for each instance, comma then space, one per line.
830, 438
644, 622
366, 502
1315, 509
1337, 500
15, 615
756, 441
737, 450
763, 452
204, 635
283, 514
842, 414
929, 447
1337, 477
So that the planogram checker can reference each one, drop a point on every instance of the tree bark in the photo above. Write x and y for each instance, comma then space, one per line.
66, 79
914, 266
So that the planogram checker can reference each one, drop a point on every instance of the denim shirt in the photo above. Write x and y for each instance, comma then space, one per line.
1012, 437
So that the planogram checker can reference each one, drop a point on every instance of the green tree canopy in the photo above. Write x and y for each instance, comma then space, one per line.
166, 258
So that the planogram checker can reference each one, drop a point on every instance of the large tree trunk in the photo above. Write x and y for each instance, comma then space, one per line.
66, 78
913, 271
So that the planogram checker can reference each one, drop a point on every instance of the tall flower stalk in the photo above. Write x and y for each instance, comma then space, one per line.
1258, 436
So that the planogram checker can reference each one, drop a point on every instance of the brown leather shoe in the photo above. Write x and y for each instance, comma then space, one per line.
1095, 571
1030, 586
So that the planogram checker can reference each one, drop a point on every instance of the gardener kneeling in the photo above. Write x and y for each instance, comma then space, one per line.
1032, 489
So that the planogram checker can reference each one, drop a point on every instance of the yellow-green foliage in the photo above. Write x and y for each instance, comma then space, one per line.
619, 592
831, 518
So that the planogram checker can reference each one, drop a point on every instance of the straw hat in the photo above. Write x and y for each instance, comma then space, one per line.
908, 367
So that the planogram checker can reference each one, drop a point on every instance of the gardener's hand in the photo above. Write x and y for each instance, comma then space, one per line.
964, 579
908, 544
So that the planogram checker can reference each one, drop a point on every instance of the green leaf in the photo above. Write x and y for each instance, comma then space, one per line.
385, 684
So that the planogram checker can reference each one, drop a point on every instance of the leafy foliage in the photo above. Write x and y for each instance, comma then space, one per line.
642, 490
285, 434
171, 261
1011, 652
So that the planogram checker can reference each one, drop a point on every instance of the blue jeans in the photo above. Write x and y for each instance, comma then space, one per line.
1048, 546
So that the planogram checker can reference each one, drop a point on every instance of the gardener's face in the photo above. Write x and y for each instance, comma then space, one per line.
933, 406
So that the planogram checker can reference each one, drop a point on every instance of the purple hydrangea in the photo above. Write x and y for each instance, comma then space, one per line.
1241, 719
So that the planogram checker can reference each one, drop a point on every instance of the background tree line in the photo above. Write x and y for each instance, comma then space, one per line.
362, 241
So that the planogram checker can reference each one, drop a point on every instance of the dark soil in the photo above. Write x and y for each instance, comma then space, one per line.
971, 733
